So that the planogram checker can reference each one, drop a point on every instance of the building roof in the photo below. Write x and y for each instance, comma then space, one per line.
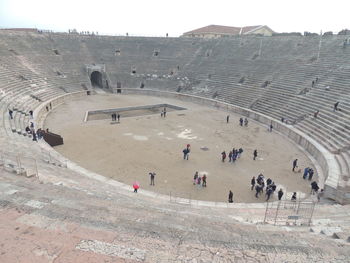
226, 30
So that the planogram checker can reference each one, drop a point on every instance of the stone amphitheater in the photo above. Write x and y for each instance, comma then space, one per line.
53, 210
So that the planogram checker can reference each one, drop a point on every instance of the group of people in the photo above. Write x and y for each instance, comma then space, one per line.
36, 135
245, 121
115, 117
163, 113
30, 113
200, 180
308, 173
232, 156
259, 185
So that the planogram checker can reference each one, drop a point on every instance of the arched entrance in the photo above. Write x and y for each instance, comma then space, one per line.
96, 79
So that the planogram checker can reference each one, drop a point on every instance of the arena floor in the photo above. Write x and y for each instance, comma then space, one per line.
128, 151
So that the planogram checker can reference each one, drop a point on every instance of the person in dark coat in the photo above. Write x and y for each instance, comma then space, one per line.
255, 154
241, 121
268, 181
230, 197
280, 194
335, 108
258, 190
273, 186
294, 196
306, 172
311, 173
270, 127
269, 192
227, 118
223, 156
252, 182
34, 136
295, 164
10, 113
230, 156
186, 153
152, 175
314, 187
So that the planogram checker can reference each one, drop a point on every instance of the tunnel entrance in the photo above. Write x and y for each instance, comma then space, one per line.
96, 79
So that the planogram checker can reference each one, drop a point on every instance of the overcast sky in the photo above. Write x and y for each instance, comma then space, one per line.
158, 17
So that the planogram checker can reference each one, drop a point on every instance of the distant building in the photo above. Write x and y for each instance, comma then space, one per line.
216, 31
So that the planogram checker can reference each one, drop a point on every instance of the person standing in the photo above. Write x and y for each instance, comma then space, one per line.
335, 107
223, 156
252, 182
230, 197
269, 192
195, 178
152, 175
280, 194
136, 186
227, 118
258, 190
199, 180
241, 121
311, 173
314, 188
204, 180
230, 156
186, 153
255, 154
164, 112
246, 122
10, 113
306, 172
316, 114
295, 164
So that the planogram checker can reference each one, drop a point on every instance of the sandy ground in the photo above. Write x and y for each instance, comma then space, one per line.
128, 151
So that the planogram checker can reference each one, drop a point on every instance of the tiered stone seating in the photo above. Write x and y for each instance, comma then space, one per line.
270, 75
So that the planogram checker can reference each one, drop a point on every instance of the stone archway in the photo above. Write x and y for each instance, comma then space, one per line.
96, 79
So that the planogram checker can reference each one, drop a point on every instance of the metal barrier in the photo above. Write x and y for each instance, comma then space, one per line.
289, 212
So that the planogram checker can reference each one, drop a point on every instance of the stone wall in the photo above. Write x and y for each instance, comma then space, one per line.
40, 113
